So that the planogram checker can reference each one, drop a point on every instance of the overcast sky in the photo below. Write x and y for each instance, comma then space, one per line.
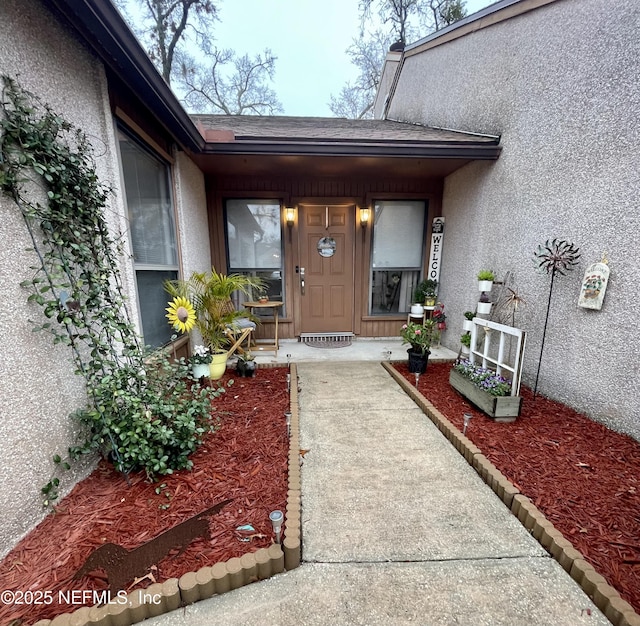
309, 37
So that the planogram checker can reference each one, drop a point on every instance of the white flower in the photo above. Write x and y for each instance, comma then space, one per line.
200, 350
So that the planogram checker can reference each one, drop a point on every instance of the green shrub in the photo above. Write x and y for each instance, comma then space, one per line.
150, 416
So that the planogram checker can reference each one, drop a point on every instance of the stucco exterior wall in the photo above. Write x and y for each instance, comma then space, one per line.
193, 224
560, 84
39, 388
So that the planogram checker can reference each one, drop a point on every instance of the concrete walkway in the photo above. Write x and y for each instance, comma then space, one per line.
397, 527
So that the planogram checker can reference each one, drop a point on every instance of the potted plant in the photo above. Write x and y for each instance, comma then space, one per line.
210, 293
484, 304
439, 317
425, 292
419, 337
486, 389
467, 325
246, 365
465, 340
200, 360
263, 296
485, 280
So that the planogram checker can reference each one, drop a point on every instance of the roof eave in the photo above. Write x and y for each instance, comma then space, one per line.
478, 151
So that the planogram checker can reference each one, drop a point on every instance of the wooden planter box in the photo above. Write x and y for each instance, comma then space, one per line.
501, 408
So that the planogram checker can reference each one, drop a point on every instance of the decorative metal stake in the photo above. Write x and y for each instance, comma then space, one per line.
556, 256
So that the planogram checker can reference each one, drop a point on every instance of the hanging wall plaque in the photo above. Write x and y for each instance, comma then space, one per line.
327, 246
594, 285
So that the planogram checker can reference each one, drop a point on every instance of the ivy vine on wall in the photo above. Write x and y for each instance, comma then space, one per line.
143, 412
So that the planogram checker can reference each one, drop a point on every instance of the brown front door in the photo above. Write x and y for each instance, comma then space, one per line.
326, 258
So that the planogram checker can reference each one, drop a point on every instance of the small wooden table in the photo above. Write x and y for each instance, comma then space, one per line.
275, 305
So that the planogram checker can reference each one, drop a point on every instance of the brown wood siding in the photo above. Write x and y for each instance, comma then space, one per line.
382, 326
293, 191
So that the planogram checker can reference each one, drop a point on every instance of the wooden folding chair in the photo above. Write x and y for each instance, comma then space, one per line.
238, 330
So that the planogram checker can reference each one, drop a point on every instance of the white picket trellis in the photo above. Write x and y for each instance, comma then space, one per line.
486, 353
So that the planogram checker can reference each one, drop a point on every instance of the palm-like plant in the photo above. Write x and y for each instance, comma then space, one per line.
210, 293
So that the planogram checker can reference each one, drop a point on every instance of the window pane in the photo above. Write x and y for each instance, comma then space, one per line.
392, 290
146, 182
254, 234
153, 302
153, 234
398, 234
396, 259
273, 282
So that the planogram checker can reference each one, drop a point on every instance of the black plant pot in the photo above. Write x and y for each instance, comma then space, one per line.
418, 361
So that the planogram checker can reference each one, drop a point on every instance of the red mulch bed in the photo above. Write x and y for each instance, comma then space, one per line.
583, 476
245, 459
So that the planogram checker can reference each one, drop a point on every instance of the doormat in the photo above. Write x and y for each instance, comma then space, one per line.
326, 340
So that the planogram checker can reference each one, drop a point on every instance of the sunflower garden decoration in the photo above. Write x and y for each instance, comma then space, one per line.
181, 314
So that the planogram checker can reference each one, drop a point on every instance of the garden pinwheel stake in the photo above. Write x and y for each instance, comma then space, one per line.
556, 256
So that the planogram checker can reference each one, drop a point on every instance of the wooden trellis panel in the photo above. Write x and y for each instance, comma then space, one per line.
484, 352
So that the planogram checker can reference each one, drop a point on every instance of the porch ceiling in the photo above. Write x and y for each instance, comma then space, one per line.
326, 166
254, 145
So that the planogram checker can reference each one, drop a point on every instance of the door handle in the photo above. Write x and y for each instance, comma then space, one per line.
302, 280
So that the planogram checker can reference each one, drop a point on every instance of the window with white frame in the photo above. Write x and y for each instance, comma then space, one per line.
254, 242
153, 234
397, 255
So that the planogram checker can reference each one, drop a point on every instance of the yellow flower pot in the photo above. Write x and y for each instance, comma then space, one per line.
218, 365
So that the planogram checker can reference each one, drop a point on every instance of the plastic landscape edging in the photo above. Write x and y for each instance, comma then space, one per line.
221, 577
618, 611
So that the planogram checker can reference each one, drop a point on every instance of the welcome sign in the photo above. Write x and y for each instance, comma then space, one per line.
437, 238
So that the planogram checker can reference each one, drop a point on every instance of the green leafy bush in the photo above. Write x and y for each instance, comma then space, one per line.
143, 413
149, 416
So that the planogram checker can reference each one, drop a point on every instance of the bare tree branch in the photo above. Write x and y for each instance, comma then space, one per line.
404, 20
232, 84
163, 26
